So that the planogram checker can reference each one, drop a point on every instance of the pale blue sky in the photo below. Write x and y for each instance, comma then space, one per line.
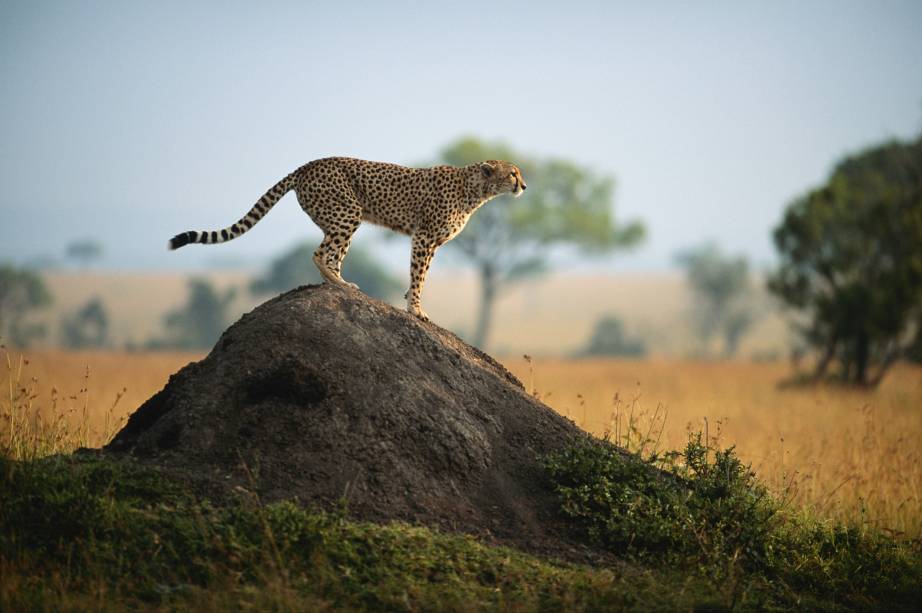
132, 121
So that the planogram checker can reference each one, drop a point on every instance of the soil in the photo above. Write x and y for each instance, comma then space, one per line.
328, 397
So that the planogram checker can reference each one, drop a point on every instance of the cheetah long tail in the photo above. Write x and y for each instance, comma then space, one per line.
246, 222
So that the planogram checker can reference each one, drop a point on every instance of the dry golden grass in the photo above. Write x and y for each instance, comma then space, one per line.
64, 399
848, 454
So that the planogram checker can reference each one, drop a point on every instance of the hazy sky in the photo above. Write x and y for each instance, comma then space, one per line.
129, 122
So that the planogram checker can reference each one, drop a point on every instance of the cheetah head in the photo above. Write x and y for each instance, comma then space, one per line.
502, 178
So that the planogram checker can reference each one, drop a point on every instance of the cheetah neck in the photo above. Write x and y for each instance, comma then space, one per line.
478, 201
476, 194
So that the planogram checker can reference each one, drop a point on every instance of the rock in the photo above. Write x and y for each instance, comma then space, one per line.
323, 395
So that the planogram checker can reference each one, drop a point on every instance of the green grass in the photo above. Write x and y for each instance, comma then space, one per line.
83, 532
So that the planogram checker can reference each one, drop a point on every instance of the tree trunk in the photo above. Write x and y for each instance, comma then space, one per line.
731, 343
823, 364
890, 358
488, 287
862, 357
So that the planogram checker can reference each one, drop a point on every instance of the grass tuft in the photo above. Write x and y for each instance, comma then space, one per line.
30, 430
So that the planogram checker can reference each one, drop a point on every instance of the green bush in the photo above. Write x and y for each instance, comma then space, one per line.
703, 509
715, 508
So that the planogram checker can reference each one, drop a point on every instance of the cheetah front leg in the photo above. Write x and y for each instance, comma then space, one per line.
422, 250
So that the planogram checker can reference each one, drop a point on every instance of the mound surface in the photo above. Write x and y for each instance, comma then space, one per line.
325, 394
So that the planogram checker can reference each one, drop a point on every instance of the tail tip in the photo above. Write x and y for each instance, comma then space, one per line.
178, 241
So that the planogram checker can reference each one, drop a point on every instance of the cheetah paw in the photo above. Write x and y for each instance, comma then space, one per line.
346, 284
418, 312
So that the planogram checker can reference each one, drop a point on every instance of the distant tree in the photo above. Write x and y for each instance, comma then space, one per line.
199, 323
914, 349
22, 292
851, 263
722, 295
296, 267
610, 339
85, 251
88, 327
508, 240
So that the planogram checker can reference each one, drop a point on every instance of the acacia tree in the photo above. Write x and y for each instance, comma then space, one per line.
508, 240
609, 338
722, 295
199, 323
87, 327
851, 262
22, 292
84, 251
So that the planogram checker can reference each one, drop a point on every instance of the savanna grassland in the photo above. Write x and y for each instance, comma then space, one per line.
83, 532
564, 307
845, 454
849, 454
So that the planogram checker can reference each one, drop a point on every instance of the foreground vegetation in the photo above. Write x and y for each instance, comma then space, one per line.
703, 510
82, 532
845, 454
689, 529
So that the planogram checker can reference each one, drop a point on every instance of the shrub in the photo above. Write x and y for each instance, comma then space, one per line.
704, 509
633, 505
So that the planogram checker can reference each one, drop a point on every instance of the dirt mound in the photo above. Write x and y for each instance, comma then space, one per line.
326, 394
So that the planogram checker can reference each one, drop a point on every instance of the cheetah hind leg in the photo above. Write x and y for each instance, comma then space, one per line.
328, 260
338, 219
340, 255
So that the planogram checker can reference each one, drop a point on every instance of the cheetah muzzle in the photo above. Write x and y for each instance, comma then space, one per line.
431, 205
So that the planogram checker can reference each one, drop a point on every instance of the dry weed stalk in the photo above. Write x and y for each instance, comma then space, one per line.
29, 430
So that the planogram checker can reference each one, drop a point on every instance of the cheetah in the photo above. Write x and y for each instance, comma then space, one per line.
431, 205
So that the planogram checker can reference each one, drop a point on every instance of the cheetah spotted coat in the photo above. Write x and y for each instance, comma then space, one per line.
432, 205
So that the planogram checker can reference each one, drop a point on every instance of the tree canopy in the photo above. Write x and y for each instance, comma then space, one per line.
22, 292
721, 291
851, 262
508, 239
87, 327
609, 338
84, 251
200, 321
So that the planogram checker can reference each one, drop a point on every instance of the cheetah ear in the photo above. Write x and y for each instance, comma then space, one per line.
487, 169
